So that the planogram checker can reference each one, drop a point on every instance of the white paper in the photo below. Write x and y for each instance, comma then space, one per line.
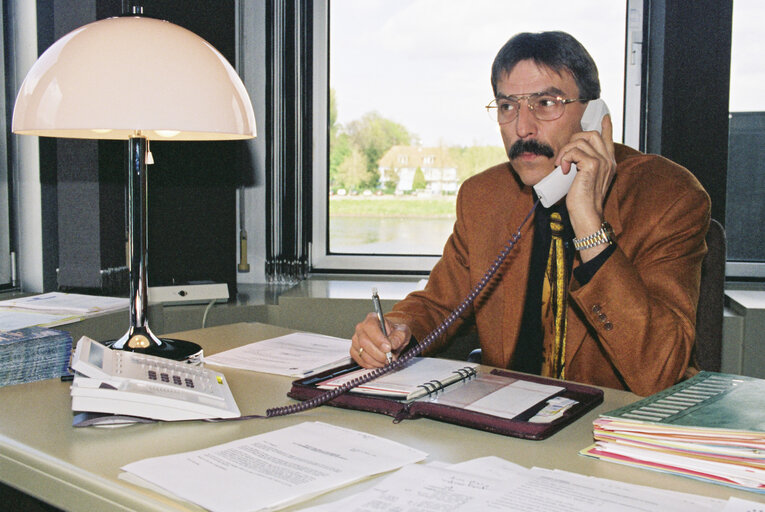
58, 303
739, 505
296, 355
417, 488
12, 319
276, 469
494, 484
639, 495
513, 399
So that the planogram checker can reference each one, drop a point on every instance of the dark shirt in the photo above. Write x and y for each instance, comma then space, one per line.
528, 352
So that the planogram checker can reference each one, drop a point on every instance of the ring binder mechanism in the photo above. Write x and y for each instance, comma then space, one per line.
432, 387
423, 376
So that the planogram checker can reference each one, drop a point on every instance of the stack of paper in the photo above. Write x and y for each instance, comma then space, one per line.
272, 470
33, 353
55, 308
494, 484
297, 355
710, 427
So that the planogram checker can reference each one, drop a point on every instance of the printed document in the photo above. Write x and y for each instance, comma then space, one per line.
273, 470
494, 484
296, 355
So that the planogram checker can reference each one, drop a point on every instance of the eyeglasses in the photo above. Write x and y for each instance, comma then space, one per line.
545, 107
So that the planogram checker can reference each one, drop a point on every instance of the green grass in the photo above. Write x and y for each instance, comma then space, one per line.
392, 206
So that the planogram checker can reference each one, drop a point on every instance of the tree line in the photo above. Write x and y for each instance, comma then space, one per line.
355, 150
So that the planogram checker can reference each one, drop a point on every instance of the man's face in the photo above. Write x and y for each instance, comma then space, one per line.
529, 78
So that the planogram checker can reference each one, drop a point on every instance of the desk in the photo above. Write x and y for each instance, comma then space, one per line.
77, 469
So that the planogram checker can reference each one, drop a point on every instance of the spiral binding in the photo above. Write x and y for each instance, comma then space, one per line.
416, 350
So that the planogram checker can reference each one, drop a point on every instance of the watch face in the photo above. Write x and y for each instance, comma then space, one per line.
608, 231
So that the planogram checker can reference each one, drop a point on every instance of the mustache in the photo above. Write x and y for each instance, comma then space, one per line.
530, 146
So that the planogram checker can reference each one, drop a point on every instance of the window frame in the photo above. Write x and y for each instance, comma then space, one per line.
739, 269
321, 258
7, 253
636, 132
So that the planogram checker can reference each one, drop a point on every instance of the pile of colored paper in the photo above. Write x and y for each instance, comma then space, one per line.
710, 427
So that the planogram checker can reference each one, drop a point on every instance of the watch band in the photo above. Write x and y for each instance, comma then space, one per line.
602, 236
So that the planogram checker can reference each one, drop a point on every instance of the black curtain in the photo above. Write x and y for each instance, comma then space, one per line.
288, 155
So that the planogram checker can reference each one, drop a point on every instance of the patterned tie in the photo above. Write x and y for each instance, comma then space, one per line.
554, 303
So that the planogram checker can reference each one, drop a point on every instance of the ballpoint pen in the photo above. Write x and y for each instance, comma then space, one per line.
378, 310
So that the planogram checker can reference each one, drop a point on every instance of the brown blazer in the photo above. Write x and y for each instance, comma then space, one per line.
632, 325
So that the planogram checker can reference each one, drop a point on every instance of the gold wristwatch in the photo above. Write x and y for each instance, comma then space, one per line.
605, 235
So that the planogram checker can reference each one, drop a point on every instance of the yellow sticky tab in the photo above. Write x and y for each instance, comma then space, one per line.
220, 379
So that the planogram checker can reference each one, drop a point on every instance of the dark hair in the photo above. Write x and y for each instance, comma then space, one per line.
558, 51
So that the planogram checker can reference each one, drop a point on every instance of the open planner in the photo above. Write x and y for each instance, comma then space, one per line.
499, 401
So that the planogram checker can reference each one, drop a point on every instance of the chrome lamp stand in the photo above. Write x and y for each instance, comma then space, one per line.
139, 337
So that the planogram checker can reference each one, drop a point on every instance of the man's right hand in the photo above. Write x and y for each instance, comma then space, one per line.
369, 345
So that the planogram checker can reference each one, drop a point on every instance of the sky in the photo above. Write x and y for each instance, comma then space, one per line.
426, 63
747, 64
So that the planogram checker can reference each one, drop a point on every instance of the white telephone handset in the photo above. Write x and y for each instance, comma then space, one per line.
556, 184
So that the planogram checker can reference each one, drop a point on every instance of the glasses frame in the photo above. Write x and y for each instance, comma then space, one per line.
494, 114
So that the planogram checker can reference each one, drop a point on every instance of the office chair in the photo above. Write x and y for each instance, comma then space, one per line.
709, 312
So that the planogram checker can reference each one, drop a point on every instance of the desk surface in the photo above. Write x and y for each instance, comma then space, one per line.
43, 455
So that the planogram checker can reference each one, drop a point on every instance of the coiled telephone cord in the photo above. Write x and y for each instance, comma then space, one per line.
409, 354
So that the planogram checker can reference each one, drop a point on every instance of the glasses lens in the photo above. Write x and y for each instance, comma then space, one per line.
502, 111
546, 108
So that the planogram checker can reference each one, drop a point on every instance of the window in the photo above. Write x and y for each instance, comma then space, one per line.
745, 192
6, 260
402, 86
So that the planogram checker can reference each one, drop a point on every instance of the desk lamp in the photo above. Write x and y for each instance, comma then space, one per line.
138, 79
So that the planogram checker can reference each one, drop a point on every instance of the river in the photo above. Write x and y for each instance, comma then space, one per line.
388, 235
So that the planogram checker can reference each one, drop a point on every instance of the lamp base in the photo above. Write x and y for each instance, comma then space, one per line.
143, 341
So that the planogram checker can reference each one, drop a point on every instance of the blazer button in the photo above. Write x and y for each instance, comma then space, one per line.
608, 326
602, 317
596, 308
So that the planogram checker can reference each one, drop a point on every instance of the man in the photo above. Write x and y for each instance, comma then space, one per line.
624, 314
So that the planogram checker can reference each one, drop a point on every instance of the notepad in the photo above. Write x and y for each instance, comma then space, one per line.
423, 376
